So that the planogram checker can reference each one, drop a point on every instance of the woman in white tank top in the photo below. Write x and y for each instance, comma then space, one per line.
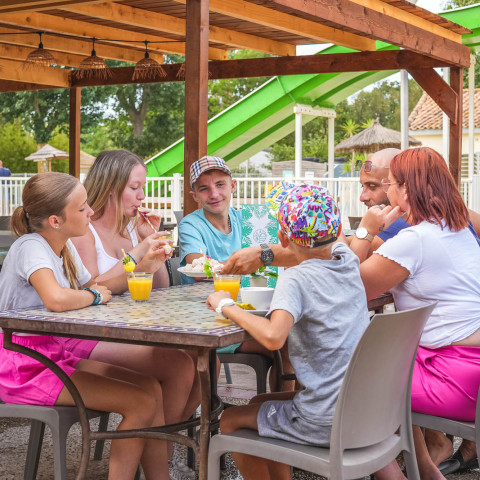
115, 186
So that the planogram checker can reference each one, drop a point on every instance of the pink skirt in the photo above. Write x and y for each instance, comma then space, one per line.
23, 380
445, 382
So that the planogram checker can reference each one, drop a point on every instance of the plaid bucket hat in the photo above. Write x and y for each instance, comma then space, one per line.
306, 213
208, 162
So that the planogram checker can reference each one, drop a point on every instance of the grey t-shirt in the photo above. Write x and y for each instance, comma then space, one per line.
30, 253
328, 303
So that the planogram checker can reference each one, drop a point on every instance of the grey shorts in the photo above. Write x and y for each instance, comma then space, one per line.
279, 419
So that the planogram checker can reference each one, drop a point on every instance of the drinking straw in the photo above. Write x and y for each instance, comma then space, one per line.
147, 220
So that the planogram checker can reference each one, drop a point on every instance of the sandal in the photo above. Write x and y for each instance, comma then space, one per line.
448, 466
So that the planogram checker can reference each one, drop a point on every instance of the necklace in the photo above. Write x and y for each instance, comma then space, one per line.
229, 225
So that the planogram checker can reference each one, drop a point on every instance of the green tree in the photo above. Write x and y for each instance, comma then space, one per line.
224, 93
15, 145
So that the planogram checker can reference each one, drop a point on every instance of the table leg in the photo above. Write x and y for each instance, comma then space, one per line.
203, 367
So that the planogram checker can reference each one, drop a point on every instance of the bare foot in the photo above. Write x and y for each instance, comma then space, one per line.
468, 450
439, 446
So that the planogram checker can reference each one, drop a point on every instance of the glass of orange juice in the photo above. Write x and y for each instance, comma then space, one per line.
228, 283
140, 285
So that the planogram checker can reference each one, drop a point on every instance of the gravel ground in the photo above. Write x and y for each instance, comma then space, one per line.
13, 446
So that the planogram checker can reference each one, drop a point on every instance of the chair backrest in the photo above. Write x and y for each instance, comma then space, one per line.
354, 222
374, 400
178, 215
174, 275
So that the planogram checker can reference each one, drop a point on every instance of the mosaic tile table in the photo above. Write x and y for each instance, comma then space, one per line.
175, 317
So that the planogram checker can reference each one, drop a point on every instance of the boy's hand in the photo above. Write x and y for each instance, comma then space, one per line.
214, 299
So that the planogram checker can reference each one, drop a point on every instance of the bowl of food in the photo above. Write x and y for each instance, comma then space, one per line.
259, 297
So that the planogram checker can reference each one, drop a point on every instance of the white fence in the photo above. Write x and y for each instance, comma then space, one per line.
165, 194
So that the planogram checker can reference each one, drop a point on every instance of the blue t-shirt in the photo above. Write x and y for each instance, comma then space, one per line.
400, 224
196, 233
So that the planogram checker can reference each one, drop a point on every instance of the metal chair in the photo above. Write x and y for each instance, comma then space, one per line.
372, 421
59, 419
467, 430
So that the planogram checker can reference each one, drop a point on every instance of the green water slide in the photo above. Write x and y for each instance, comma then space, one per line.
266, 115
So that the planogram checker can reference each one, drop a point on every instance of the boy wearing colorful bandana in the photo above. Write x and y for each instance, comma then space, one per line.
320, 306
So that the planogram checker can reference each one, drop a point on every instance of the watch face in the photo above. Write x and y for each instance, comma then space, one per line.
266, 256
361, 232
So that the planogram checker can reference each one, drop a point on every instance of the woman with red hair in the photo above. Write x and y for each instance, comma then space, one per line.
436, 259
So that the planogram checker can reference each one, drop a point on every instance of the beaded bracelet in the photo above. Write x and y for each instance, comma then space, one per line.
131, 258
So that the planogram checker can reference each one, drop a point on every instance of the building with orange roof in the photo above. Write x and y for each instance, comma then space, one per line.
426, 125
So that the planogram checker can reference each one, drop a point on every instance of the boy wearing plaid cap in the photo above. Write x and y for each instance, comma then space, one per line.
320, 306
215, 228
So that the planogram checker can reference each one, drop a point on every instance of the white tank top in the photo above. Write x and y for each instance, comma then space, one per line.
105, 261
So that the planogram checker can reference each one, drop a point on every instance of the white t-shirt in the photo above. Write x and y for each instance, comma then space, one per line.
30, 253
444, 266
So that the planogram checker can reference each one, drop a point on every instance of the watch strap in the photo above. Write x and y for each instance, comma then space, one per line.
224, 302
98, 296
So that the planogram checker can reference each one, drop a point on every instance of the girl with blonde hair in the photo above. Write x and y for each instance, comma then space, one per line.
115, 185
43, 267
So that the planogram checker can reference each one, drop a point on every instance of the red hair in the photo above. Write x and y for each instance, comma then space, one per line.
432, 193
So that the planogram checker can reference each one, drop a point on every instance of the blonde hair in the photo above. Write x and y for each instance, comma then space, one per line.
109, 174
46, 194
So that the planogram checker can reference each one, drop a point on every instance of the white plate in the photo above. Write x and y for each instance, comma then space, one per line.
192, 274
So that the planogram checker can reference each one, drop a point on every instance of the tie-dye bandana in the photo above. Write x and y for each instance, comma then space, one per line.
306, 213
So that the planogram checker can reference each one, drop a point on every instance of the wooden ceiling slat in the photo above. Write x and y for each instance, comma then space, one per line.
19, 53
164, 23
67, 26
358, 19
26, 5
265, 17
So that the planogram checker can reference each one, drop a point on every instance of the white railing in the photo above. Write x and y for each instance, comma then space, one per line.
11, 189
165, 194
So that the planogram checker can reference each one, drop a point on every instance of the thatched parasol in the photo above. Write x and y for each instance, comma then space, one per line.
372, 139
44, 154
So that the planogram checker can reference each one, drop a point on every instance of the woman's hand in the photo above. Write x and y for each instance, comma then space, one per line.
155, 256
214, 299
143, 227
379, 217
144, 246
104, 291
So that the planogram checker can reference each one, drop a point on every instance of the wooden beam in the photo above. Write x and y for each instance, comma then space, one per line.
455, 144
440, 91
166, 23
14, 71
19, 53
70, 45
250, 12
347, 15
9, 86
410, 18
74, 133
196, 93
56, 24
18, 5
305, 64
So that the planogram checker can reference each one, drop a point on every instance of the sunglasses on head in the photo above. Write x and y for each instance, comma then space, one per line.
367, 165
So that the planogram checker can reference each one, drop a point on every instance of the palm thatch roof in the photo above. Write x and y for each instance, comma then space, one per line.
47, 152
374, 138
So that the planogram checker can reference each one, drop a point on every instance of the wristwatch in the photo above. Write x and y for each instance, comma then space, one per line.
266, 256
362, 233
224, 302
98, 296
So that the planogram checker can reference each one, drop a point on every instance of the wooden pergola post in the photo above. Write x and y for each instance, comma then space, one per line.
196, 90
455, 145
74, 137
